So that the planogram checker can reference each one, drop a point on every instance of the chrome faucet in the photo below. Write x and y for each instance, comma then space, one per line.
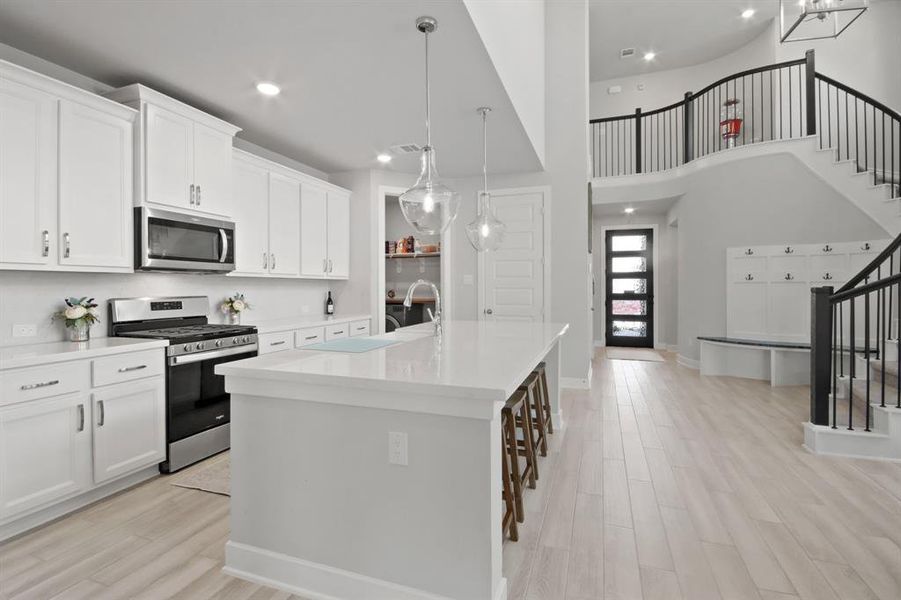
436, 317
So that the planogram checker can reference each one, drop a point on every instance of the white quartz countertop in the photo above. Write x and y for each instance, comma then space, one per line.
31, 355
474, 359
300, 322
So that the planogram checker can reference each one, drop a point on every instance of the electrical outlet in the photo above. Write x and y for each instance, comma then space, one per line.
397, 448
28, 330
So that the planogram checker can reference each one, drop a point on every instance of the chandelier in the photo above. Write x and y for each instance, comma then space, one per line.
817, 19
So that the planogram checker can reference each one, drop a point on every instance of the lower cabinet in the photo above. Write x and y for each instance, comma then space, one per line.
129, 425
45, 452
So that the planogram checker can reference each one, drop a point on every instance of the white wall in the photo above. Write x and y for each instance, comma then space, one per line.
510, 31
766, 200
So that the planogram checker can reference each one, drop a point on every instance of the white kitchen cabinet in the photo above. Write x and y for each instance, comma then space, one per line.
129, 427
324, 251
27, 174
95, 188
251, 214
45, 452
284, 225
185, 154
66, 176
276, 342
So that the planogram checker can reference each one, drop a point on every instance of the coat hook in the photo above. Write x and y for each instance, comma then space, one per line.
749, 277
789, 250
789, 277
827, 248
749, 252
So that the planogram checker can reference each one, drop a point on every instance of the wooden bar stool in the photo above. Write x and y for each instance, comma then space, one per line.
532, 389
545, 397
515, 415
508, 521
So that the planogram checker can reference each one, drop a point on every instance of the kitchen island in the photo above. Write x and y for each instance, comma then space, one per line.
325, 506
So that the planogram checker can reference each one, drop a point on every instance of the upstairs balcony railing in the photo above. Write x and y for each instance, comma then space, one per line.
782, 101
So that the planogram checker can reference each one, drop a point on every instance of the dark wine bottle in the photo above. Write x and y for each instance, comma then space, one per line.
329, 305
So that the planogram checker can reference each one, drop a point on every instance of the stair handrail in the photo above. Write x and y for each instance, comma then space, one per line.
864, 273
860, 95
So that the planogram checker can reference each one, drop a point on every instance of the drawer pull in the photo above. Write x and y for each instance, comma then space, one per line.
101, 419
360, 328
311, 337
43, 384
279, 343
80, 417
134, 368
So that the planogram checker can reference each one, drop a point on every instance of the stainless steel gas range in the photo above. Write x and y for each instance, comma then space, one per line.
197, 405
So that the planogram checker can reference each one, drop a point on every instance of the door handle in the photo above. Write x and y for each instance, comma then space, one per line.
67, 246
101, 419
191, 199
224, 238
45, 243
80, 418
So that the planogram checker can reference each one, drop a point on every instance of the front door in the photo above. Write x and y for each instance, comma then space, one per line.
629, 267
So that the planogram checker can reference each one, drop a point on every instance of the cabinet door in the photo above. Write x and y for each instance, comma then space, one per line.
284, 225
747, 309
45, 452
251, 214
788, 311
95, 188
212, 170
169, 157
129, 427
313, 231
27, 174
338, 235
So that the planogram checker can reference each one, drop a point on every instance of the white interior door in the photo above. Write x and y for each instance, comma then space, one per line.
27, 174
313, 231
95, 188
511, 278
284, 225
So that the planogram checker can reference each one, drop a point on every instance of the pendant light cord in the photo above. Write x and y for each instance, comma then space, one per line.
485, 149
428, 97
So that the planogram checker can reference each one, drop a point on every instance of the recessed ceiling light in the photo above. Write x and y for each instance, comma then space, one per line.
649, 56
629, 210
747, 14
268, 89
383, 158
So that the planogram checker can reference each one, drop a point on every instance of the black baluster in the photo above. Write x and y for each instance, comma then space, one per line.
882, 335
744, 130
753, 114
847, 127
866, 345
772, 120
841, 339
829, 115
790, 119
780, 104
852, 366
836, 350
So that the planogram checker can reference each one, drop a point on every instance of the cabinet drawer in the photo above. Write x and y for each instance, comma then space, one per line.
309, 336
359, 327
21, 385
127, 367
334, 332
276, 342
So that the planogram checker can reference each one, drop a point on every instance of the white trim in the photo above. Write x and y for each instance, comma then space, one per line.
545, 191
686, 362
656, 278
377, 283
575, 383
317, 581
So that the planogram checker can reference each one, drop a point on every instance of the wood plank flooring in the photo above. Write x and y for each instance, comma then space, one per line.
664, 485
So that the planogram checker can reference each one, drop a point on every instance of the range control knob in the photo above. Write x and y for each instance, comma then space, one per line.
187, 347
218, 343
245, 339
234, 340
200, 345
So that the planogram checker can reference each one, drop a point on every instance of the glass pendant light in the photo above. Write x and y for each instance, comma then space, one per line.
486, 232
430, 205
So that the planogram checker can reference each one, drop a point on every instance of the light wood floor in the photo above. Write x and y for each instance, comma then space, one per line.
665, 485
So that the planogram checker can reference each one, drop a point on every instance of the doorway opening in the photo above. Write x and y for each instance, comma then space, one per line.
629, 284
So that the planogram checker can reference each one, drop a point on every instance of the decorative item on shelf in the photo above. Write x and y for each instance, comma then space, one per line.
430, 206
485, 233
79, 315
730, 121
817, 19
234, 306
329, 304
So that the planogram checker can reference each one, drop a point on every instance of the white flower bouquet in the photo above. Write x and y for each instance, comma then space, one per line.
79, 315
234, 306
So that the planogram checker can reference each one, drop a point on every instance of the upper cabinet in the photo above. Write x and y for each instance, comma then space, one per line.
66, 176
324, 232
184, 154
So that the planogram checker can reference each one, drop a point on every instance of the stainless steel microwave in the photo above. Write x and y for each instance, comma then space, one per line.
172, 241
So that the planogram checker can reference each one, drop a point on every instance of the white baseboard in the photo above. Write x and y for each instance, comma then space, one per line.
575, 383
599, 343
689, 363
317, 581
42, 517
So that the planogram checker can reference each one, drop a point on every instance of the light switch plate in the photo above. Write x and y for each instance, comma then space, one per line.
27, 330
397, 448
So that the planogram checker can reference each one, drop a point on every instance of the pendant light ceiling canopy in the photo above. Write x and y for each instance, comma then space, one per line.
430, 206
485, 233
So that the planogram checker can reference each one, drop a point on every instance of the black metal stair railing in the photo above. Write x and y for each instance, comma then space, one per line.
852, 329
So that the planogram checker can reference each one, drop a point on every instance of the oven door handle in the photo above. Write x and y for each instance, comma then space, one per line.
200, 356
224, 238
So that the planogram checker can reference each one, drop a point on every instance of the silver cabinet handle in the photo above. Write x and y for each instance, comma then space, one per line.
101, 418
197, 198
134, 368
80, 417
272, 257
34, 386
360, 328
324, 265
45, 243
191, 199
265, 260
279, 343
311, 337
329, 265
339, 332
67, 246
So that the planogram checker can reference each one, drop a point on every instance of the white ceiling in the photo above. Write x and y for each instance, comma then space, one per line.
351, 72
680, 32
